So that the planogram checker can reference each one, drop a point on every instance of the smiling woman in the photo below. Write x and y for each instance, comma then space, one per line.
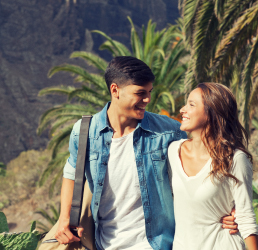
212, 173
193, 113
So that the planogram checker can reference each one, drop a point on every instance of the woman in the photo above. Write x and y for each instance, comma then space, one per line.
211, 173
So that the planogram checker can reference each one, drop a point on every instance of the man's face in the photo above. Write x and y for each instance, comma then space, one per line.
133, 99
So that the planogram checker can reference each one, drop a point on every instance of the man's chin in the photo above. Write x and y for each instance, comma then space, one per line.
140, 116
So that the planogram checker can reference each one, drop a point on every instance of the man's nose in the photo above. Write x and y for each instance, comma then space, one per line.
147, 98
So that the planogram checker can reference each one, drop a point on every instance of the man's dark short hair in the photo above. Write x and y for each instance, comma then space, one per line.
124, 68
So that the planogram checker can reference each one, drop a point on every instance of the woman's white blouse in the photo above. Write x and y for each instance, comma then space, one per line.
199, 204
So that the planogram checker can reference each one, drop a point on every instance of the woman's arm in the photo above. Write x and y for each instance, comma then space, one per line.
243, 195
252, 242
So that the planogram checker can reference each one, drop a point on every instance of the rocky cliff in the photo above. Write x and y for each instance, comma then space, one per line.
35, 35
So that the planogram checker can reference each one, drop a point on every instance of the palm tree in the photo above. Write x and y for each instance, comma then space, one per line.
222, 36
161, 50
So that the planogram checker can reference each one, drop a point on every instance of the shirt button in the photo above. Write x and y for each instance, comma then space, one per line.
105, 163
108, 143
96, 203
163, 157
100, 184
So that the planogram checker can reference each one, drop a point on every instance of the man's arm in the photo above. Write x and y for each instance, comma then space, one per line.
63, 233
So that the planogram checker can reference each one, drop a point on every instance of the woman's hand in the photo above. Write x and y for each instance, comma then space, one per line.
229, 222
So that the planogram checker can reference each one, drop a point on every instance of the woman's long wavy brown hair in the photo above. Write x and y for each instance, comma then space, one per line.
222, 133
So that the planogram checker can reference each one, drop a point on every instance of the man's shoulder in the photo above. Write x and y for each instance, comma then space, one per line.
93, 124
162, 123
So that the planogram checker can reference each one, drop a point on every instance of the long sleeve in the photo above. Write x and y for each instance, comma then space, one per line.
69, 168
243, 195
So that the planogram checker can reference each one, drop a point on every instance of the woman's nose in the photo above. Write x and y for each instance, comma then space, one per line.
182, 110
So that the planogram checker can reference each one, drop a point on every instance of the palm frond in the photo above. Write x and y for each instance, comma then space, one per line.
255, 73
255, 123
91, 59
136, 42
190, 8
57, 177
91, 91
51, 220
190, 79
247, 81
73, 111
91, 97
236, 39
107, 45
63, 90
219, 8
60, 139
56, 163
118, 50
204, 39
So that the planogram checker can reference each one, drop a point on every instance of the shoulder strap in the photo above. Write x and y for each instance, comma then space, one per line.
80, 172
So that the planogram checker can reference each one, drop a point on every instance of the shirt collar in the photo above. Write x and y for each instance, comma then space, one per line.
144, 123
103, 118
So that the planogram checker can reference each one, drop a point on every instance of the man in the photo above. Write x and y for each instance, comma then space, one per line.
126, 166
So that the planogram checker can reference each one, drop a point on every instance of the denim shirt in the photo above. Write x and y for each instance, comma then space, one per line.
151, 138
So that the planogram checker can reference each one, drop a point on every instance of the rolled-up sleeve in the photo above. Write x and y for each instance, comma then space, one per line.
69, 168
243, 195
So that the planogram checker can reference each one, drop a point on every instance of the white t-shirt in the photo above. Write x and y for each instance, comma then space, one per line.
199, 204
121, 217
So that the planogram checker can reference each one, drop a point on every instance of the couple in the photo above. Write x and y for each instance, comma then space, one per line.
128, 172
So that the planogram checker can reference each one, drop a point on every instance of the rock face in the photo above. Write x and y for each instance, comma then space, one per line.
36, 35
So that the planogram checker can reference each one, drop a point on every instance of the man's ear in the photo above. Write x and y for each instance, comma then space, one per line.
114, 90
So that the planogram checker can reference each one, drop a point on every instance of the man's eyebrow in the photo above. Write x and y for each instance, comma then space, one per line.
143, 90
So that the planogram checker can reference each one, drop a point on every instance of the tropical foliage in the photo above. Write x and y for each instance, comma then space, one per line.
2, 169
161, 50
222, 37
17, 241
255, 199
51, 219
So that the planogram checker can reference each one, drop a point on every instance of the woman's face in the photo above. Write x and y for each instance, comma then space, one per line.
193, 113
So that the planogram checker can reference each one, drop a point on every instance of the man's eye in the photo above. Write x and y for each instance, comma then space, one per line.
140, 93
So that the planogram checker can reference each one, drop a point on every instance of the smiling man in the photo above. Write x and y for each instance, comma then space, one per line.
126, 166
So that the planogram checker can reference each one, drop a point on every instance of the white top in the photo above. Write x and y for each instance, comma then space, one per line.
121, 217
199, 204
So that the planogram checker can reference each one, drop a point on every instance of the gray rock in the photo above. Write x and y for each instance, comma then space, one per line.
36, 35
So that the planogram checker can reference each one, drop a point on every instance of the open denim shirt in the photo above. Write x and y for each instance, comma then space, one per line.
151, 138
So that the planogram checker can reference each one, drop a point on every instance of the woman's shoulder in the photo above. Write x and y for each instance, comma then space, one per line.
241, 162
174, 146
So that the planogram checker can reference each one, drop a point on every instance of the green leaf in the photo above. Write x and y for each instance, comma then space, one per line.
255, 190
33, 226
2, 169
3, 223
